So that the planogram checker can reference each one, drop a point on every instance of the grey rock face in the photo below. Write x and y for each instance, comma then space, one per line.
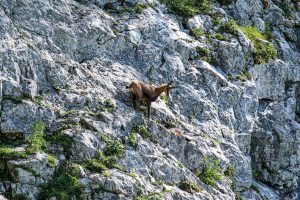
20, 117
67, 64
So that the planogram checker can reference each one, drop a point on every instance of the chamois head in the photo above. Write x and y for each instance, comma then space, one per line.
168, 88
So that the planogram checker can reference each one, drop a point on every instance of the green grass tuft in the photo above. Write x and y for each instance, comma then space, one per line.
95, 165
114, 148
65, 186
144, 132
132, 140
7, 153
263, 51
189, 187
139, 7
225, 2
229, 27
229, 170
188, 8
36, 142
210, 172
197, 32
109, 106
52, 161
253, 187
101, 162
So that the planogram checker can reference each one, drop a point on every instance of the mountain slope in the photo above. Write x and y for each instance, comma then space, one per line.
69, 130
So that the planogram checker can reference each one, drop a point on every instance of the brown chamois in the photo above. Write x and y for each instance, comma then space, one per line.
146, 92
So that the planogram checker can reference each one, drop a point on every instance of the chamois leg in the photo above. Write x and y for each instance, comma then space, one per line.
149, 109
134, 102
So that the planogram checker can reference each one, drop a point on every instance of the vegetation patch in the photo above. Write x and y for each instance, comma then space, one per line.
253, 187
210, 172
247, 74
62, 140
257, 175
263, 51
188, 8
95, 165
81, 1
114, 148
101, 162
7, 153
139, 7
225, 2
145, 133
218, 36
229, 170
164, 99
133, 140
189, 187
109, 106
229, 27
106, 159
64, 185
36, 142
240, 78
197, 32
202, 52
52, 161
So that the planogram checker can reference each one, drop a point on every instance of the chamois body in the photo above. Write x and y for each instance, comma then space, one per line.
146, 92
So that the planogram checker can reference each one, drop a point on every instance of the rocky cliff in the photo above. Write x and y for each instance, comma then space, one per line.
68, 128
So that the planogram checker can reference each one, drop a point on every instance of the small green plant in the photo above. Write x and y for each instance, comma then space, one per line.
64, 186
164, 99
94, 165
104, 137
189, 187
233, 185
225, 2
179, 164
114, 148
132, 140
210, 172
109, 106
139, 7
229, 27
218, 36
144, 132
229, 170
51, 161
109, 7
81, 1
247, 74
254, 187
36, 142
197, 32
7, 153
238, 196
101, 162
240, 78
19, 197
216, 21
188, 8
62, 140
257, 175
263, 51
38, 100
124, 10
202, 51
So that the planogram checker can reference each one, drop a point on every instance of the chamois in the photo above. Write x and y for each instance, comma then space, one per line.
146, 92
